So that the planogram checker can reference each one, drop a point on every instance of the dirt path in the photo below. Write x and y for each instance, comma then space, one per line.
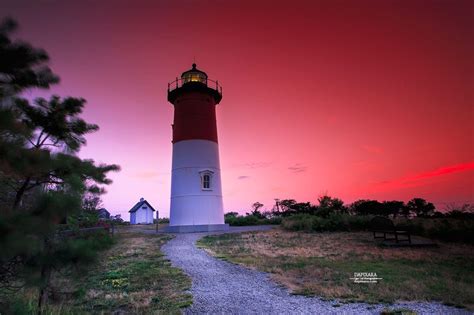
225, 288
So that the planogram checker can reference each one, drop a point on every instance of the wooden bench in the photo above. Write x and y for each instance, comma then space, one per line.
383, 227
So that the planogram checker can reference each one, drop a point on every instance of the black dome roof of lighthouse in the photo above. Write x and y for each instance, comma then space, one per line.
195, 71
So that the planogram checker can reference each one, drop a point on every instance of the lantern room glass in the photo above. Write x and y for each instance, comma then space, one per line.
192, 76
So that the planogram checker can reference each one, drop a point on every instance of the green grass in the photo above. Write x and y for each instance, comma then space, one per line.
132, 277
322, 264
136, 278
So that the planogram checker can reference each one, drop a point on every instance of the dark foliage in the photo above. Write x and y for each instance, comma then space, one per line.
446, 229
22, 66
394, 208
417, 207
328, 205
367, 207
233, 219
332, 222
420, 208
42, 181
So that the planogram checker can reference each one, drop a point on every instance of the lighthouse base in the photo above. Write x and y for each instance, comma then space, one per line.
196, 228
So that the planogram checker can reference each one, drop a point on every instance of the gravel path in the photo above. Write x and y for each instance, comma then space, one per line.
220, 287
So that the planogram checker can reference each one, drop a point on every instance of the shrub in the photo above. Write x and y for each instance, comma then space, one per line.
231, 215
333, 222
465, 212
273, 221
84, 219
86, 248
446, 229
359, 223
240, 220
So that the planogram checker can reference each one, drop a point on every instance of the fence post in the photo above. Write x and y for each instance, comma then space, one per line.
157, 220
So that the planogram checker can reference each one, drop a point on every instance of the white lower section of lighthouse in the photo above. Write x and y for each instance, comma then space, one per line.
196, 192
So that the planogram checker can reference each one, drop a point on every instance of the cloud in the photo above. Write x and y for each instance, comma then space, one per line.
418, 178
372, 149
243, 177
298, 168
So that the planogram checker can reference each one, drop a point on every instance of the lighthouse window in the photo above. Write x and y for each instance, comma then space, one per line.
206, 177
206, 181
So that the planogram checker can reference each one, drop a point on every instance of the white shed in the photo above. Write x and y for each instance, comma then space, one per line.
141, 213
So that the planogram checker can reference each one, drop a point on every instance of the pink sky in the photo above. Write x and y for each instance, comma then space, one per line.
366, 99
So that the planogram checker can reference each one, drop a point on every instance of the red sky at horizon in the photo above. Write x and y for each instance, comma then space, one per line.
360, 100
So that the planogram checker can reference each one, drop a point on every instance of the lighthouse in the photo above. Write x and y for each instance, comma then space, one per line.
196, 192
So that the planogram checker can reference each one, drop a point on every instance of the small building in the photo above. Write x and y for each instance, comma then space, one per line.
103, 214
141, 213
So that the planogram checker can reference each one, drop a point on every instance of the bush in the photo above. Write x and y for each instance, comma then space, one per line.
465, 212
84, 249
445, 229
273, 221
333, 222
83, 219
241, 220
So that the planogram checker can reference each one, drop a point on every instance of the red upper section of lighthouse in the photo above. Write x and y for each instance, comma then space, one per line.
194, 97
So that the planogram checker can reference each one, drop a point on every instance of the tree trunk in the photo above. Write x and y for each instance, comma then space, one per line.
43, 294
20, 193
45, 280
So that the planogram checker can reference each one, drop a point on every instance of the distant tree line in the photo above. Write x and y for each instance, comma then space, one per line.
327, 206
416, 207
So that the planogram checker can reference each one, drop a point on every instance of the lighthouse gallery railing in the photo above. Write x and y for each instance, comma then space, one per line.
208, 82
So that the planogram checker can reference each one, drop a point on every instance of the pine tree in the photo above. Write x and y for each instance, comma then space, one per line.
42, 180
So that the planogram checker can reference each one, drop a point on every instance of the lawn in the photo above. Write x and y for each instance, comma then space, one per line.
322, 264
132, 277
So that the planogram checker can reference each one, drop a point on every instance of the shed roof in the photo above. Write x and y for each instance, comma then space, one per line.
139, 204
